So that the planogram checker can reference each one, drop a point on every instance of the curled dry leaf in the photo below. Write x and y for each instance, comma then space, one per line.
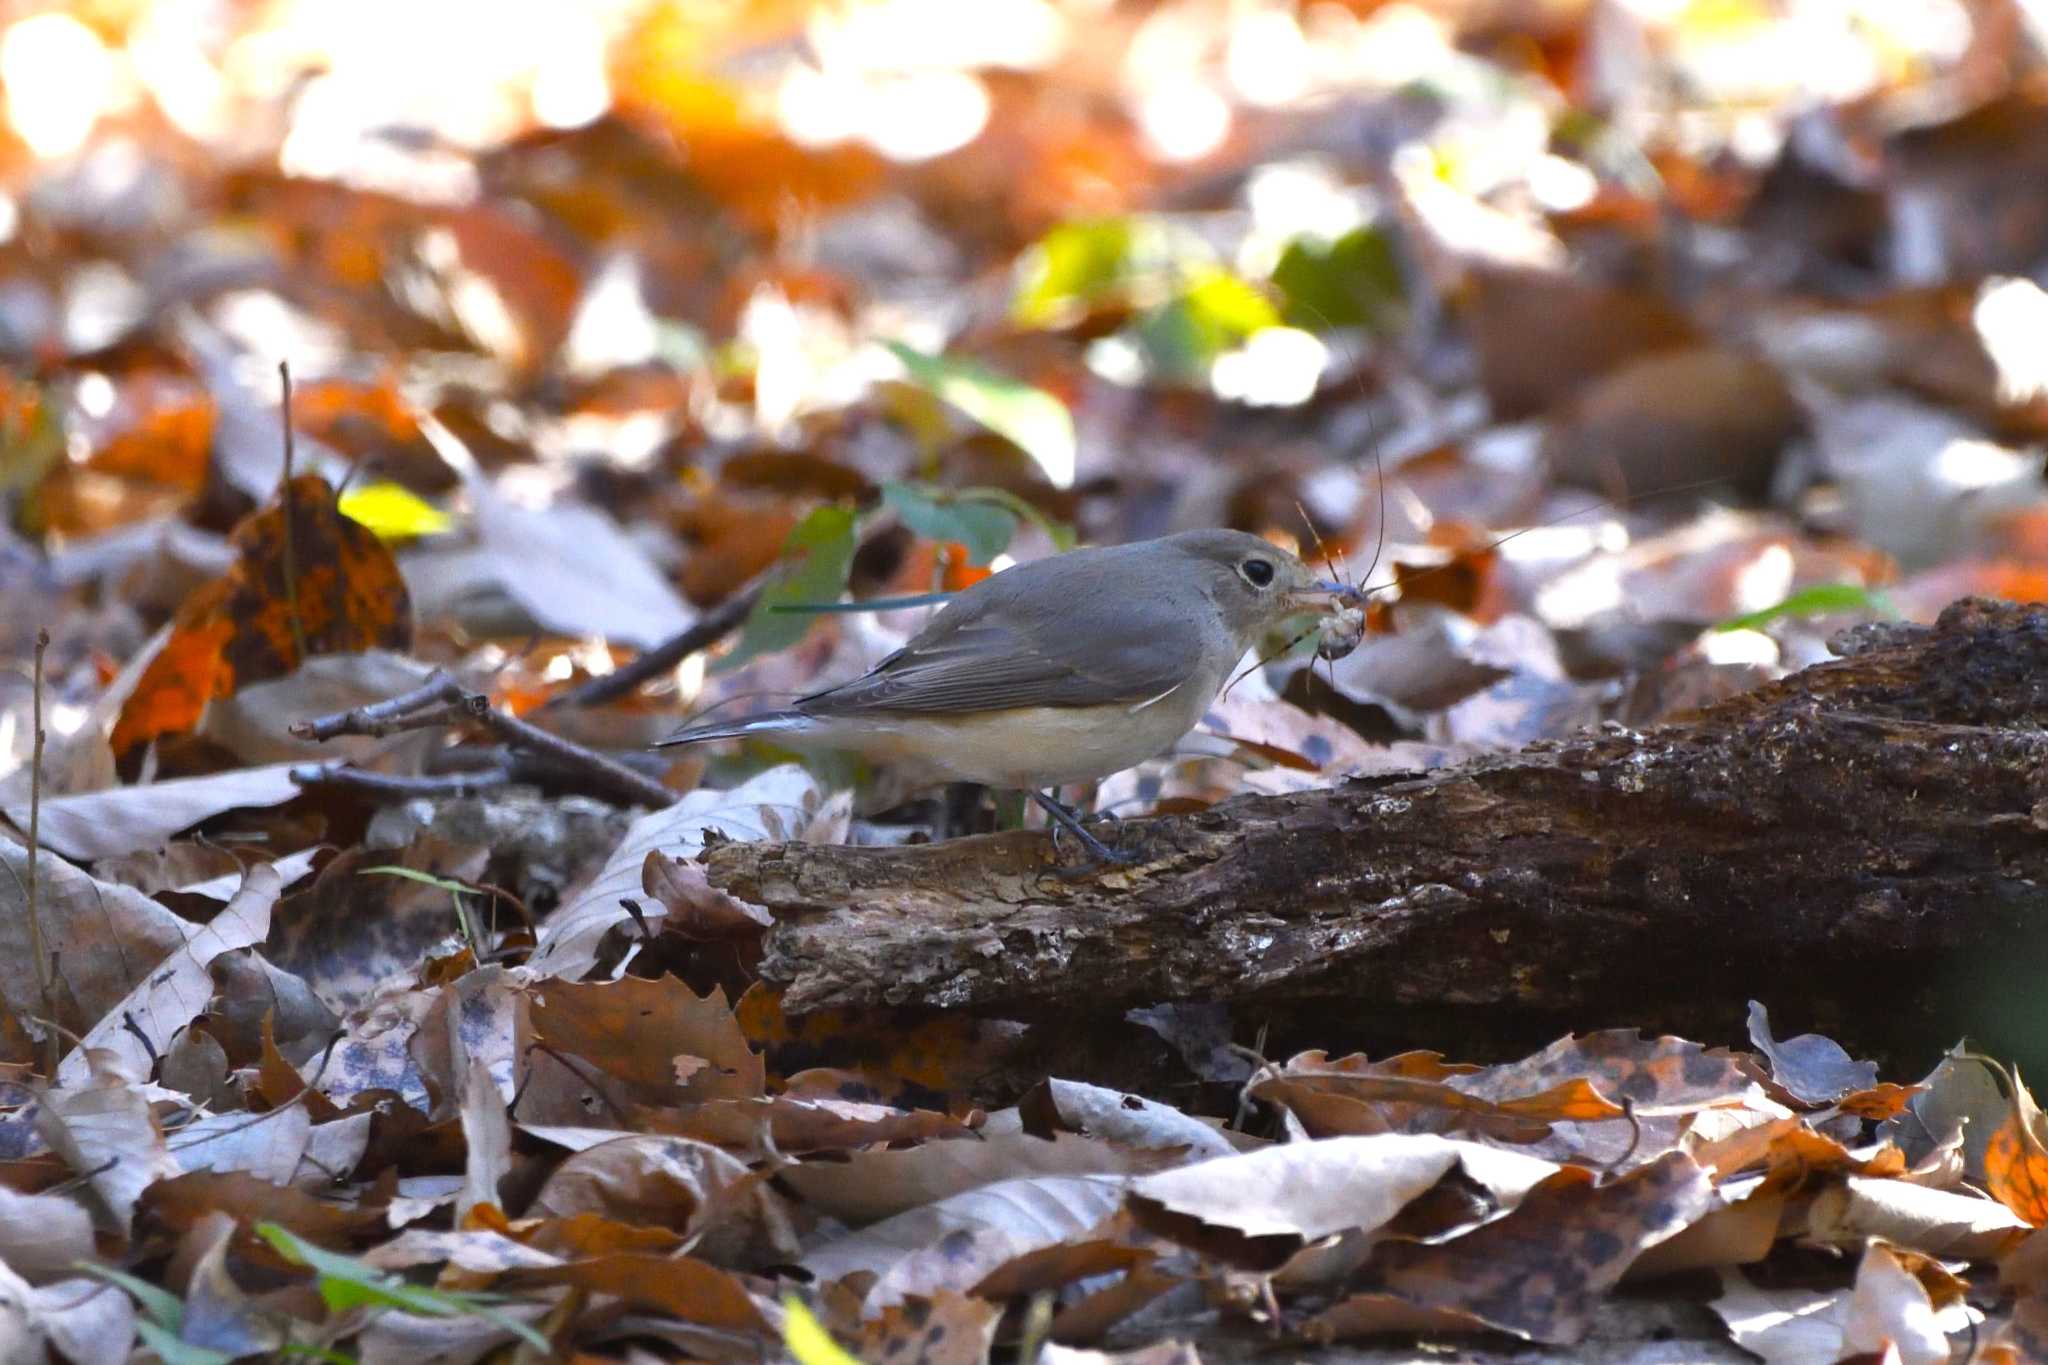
106, 937
42, 1235
1888, 1312
1814, 1070
956, 1241
696, 909
1539, 1271
141, 1026
1112, 1116
705, 1196
806, 1125
1257, 1209
121, 820
784, 802
1932, 1222
106, 1132
870, 1184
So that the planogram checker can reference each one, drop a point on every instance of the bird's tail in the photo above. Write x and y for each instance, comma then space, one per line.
761, 723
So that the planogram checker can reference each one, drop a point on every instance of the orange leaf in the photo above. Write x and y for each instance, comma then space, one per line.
239, 629
2016, 1162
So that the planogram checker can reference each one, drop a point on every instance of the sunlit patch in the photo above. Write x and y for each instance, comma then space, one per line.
689, 677
1184, 120
2011, 318
1561, 185
1276, 367
1294, 199
1117, 359
1739, 647
269, 329
60, 78
1267, 58
1764, 581
613, 325
903, 34
101, 303
570, 88
1966, 466
94, 394
166, 49
927, 114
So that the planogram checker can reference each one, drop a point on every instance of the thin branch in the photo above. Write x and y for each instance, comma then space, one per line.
37, 944
440, 689
397, 784
443, 700
291, 559
608, 772
706, 631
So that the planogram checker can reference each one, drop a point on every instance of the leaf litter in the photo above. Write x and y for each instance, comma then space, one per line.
1627, 360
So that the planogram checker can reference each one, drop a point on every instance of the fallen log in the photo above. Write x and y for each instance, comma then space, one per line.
1840, 832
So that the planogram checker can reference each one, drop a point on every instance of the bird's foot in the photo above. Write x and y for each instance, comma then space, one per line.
1066, 819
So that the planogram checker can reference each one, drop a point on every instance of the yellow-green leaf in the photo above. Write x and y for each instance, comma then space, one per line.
393, 512
808, 1341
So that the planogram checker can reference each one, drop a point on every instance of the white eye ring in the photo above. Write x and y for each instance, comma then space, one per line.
1257, 572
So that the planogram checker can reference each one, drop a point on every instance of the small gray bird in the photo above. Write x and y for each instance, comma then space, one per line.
1066, 669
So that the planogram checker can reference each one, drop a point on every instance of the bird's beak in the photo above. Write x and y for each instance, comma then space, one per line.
1324, 596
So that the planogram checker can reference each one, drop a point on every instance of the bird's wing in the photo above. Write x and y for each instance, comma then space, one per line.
998, 660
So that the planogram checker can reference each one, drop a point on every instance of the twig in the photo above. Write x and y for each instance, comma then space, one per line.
397, 784
705, 631
608, 772
37, 945
452, 702
291, 559
439, 689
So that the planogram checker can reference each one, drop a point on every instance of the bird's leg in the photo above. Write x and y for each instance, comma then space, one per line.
1063, 817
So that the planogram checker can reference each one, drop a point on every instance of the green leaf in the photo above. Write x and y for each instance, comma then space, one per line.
1354, 281
453, 888
821, 547
1213, 314
346, 1283
174, 1350
985, 527
1036, 421
1818, 600
31, 437
808, 1341
1073, 267
158, 1304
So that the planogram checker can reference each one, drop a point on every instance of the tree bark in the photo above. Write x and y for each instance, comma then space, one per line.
1844, 830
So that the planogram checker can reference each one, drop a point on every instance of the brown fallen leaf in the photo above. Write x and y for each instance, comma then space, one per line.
127, 820
1677, 418
1538, 1272
345, 595
1257, 1209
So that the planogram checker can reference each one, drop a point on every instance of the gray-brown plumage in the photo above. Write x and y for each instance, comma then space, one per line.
1066, 669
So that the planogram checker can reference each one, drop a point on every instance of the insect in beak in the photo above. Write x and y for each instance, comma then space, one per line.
1325, 595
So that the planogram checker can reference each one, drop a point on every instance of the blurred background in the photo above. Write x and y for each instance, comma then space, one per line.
603, 311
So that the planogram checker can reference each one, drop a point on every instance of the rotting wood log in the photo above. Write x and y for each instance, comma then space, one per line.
1839, 832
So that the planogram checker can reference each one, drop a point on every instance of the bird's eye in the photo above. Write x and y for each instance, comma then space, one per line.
1257, 572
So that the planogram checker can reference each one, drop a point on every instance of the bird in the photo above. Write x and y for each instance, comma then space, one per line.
1058, 671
